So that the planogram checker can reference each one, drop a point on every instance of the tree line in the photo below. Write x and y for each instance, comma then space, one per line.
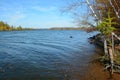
6, 27
88, 29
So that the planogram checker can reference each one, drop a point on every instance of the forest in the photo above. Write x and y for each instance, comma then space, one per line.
6, 27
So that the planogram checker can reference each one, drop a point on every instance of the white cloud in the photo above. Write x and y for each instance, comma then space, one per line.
17, 16
44, 9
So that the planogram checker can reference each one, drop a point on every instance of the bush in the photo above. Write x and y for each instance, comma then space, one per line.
106, 26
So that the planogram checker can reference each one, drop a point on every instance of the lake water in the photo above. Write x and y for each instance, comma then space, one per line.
44, 54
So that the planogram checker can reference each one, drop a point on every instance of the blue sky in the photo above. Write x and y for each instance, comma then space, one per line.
35, 13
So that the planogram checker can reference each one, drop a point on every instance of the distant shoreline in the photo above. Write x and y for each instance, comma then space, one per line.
88, 29
70, 28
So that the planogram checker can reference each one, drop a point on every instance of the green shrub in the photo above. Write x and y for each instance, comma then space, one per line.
106, 26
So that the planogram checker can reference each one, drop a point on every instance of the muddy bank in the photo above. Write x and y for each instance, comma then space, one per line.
95, 71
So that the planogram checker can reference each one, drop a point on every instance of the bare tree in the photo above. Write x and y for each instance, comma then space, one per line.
81, 12
88, 12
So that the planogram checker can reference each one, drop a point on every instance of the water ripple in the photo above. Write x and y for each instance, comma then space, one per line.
43, 54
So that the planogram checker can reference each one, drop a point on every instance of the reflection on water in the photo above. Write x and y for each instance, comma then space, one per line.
44, 54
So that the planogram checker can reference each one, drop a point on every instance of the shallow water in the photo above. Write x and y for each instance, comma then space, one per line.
44, 54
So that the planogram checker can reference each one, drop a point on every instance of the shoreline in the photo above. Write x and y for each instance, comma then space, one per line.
95, 69
96, 72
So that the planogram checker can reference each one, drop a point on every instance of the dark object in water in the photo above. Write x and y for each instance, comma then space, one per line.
71, 37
